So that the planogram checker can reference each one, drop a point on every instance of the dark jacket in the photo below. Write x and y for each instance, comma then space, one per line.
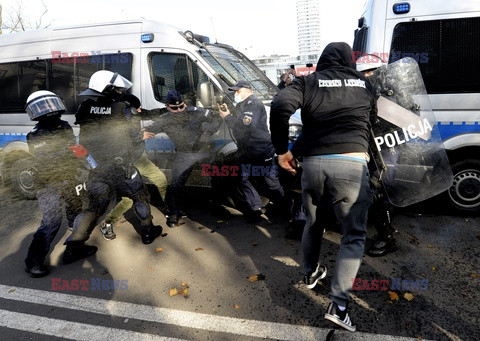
336, 102
249, 127
48, 141
106, 131
186, 128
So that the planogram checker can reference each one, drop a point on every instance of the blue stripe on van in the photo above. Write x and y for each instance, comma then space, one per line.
453, 129
7, 138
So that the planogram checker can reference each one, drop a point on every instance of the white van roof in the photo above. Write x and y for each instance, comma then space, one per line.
85, 38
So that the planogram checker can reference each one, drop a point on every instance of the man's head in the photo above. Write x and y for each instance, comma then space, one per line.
107, 83
242, 89
368, 63
174, 101
44, 104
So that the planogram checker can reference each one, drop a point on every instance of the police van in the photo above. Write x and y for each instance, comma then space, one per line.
154, 56
444, 39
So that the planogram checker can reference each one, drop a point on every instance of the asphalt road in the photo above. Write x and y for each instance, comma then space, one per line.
198, 282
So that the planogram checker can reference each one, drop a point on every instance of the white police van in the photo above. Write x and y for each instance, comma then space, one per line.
154, 56
444, 38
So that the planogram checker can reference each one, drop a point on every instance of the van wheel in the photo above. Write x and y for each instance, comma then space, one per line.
464, 194
21, 175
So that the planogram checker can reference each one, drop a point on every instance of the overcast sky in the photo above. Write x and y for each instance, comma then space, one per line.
255, 27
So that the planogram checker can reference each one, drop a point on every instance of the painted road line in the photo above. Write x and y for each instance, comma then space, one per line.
213, 323
71, 330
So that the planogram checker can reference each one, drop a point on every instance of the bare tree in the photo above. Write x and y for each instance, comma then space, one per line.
17, 21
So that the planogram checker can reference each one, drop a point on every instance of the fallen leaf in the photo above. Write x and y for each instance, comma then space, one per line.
184, 292
255, 278
219, 221
430, 246
159, 249
184, 284
173, 292
434, 268
199, 249
474, 275
393, 296
11, 290
408, 296
236, 306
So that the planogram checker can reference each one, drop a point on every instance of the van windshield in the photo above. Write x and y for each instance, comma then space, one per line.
231, 66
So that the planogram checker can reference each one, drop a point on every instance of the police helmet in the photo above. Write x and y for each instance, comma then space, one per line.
368, 62
41, 104
103, 82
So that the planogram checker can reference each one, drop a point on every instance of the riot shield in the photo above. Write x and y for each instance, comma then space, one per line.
406, 143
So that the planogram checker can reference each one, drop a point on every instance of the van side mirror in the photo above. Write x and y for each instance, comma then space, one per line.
205, 95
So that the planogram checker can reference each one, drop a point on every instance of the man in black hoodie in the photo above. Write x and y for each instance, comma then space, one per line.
336, 103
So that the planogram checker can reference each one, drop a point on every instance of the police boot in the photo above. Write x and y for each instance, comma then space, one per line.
37, 271
149, 233
382, 246
77, 250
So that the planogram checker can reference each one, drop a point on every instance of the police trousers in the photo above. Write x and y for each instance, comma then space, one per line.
104, 186
50, 201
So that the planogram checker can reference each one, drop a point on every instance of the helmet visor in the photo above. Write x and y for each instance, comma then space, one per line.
44, 106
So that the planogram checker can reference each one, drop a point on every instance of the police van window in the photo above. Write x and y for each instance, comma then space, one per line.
444, 50
175, 71
61, 82
18, 81
67, 77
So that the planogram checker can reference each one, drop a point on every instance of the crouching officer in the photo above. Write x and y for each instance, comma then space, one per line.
107, 134
55, 174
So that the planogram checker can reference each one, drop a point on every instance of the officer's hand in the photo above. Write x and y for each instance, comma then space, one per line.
287, 162
147, 135
223, 110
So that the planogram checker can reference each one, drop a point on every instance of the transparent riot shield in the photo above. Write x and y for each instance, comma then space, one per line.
406, 145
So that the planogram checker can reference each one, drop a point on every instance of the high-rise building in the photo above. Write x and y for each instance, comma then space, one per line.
308, 27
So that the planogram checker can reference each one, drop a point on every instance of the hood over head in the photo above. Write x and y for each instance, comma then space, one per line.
335, 55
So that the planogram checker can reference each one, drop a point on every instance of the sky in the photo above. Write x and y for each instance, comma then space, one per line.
254, 27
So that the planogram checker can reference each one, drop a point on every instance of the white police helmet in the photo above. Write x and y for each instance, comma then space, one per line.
102, 81
43, 104
369, 62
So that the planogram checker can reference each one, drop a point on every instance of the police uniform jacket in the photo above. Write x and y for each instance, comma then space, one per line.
249, 127
48, 141
186, 128
106, 131
336, 102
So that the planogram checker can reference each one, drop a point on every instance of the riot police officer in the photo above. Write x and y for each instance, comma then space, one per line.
110, 138
54, 177
381, 209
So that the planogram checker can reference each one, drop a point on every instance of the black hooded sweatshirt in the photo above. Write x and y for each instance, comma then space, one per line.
336, 102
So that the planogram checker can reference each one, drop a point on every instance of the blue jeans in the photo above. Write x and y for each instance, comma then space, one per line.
343, 184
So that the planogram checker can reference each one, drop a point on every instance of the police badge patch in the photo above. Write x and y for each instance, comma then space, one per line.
247, 118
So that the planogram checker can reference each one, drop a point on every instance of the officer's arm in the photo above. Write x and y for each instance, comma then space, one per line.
211, 121
158, 125
284, 105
